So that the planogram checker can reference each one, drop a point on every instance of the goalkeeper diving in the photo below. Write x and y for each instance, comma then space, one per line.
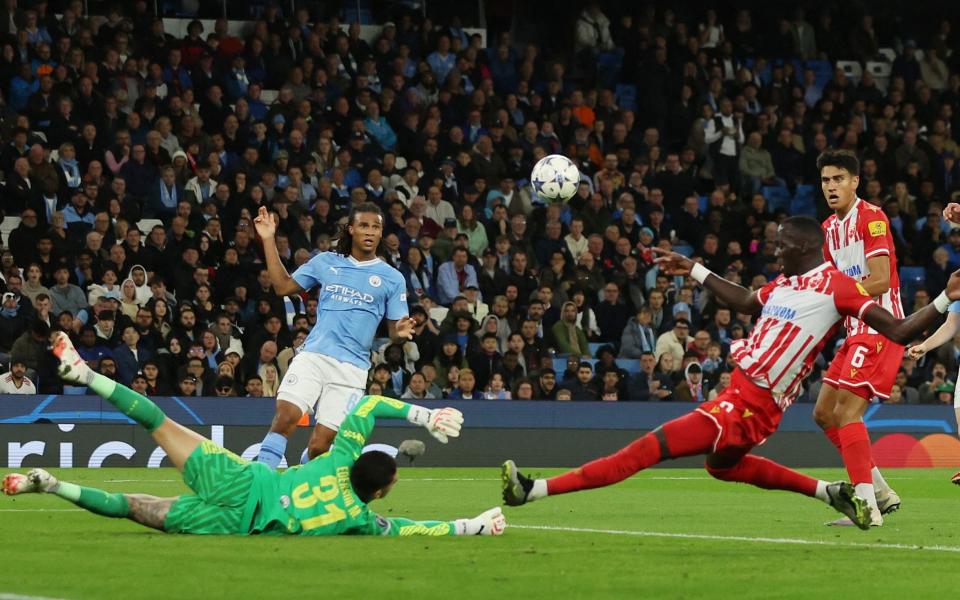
327, 496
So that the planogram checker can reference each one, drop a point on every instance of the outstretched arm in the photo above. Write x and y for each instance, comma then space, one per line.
901, 331
941, 336
442, 423
737, 297
266, 226
491, 522
904, 331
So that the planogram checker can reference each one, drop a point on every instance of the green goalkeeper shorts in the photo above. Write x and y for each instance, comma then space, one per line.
224, 494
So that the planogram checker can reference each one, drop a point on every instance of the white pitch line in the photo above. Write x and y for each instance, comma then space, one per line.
8, 596
740, 538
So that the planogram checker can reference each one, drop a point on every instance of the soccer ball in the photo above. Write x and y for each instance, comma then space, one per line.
555, 177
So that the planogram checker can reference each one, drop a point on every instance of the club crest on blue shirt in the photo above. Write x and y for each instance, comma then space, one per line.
375, 280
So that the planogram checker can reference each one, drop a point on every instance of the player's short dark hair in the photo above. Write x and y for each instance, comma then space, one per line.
842, 159
807, 227
373, 471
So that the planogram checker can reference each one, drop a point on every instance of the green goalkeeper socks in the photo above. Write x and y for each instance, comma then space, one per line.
139, 408
94, 500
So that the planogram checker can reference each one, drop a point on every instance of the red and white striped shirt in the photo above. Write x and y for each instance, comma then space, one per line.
799, 314
861, 235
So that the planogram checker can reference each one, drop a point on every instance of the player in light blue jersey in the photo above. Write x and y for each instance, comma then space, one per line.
328, 376
946, 333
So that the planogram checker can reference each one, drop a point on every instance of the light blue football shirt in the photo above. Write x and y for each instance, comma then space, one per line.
954, 306
354, 297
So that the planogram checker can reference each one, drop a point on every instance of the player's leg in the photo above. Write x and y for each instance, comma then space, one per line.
299, 391
321, 438
336, 402
689, 435
141, 508
175, 439
861, 364
956, 413
734, 466
855, 443
284, 424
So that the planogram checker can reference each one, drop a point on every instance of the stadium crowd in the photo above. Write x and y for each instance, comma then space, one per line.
135, 162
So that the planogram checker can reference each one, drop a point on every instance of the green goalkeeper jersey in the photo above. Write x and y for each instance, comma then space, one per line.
317, 499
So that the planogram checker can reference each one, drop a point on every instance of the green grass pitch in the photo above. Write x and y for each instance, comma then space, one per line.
667, 533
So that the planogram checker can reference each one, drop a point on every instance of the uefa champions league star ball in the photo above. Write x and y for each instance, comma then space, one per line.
555, 177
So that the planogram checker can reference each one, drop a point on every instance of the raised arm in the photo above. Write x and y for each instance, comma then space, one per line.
266, 226
737, 297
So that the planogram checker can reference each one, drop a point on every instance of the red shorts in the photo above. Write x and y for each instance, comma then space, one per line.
745, 414
866, 365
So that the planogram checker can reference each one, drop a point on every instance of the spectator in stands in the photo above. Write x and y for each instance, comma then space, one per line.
582, 388
254, 386
568, 337
756, 165
13, 323
64, 295
417, 389
638, 336
722, 383
674, 341
454, 276
724, 135
15, 380
691, 389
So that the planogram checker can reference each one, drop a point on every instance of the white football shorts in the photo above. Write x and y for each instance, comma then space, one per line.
323, 386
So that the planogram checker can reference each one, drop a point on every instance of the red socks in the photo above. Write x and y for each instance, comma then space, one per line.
766, 474
855, 448
833, 434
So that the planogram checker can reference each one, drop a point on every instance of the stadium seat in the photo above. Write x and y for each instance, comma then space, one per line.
852, 69
881, 73
822, 68
8, 225
608, 68
626, 96
778, 197
684, 249
145, 225
357, 11
268, 97
911, 279
594, 346
803, 205
702, 203
630, 365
